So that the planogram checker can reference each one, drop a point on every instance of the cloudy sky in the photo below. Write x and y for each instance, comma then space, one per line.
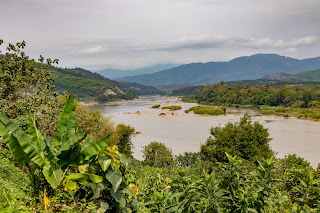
128, 34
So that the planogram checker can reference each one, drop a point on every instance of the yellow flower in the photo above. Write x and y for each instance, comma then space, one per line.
133, 189
46, 201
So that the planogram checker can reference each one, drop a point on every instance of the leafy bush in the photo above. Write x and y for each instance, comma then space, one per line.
172, 108
249, 141
158, 155
156, 106
207, 110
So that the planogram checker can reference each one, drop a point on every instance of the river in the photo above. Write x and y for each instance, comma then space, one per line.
185, 132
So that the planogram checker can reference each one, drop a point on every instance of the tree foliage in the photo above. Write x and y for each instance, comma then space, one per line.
158, 155
123, 137
24, 86
249, 141
275, 95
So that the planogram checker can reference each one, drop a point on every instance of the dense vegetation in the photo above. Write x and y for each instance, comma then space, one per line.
207, 110
49, 163
156, 106
172, 108
87, 86
283, 99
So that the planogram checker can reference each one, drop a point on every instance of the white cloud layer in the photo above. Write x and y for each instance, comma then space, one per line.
99, 34
92, 50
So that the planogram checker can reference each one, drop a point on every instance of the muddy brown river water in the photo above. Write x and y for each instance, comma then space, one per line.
185, 132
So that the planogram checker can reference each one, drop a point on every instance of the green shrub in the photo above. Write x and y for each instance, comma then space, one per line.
171, 108
207, 110
249, 141
158, 155
156, 106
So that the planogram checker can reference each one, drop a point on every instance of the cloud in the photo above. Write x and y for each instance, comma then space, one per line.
92, 50
304, 41
267, 42
208, 42
291, 50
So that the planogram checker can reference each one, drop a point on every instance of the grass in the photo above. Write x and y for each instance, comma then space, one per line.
155, 106
207, 110
172, 108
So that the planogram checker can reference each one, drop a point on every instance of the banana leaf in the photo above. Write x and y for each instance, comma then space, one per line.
63, 124
49, 153
14, 146
73, 141
34, 133
85, 178
71, 130
97, 147
53, 175
28, 147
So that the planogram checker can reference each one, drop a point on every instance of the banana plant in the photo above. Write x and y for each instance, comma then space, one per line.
69, 148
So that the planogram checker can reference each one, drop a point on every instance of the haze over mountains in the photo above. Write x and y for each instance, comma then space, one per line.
242, 68
117, 73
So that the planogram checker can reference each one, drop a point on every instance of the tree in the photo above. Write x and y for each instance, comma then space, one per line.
247, 140
25, 85
122, 139
187, 159
157, 154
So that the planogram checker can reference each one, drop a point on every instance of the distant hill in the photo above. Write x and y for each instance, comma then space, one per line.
242, 68
138, 89
116, 73
88, 86
312, 75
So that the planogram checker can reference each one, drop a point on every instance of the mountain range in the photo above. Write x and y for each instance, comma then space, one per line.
242, 68
117, 73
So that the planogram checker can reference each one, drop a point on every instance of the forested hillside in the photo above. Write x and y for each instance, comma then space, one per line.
311, 75
89, 86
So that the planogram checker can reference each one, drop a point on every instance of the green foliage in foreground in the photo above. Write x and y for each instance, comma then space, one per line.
172, 108
156, 106
70, 160
52, 159
207, 110
234, 187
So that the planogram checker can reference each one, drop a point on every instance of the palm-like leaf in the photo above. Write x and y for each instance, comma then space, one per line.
14, 146
34, 133
97, 147
63, 124
53, 175
28, 147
